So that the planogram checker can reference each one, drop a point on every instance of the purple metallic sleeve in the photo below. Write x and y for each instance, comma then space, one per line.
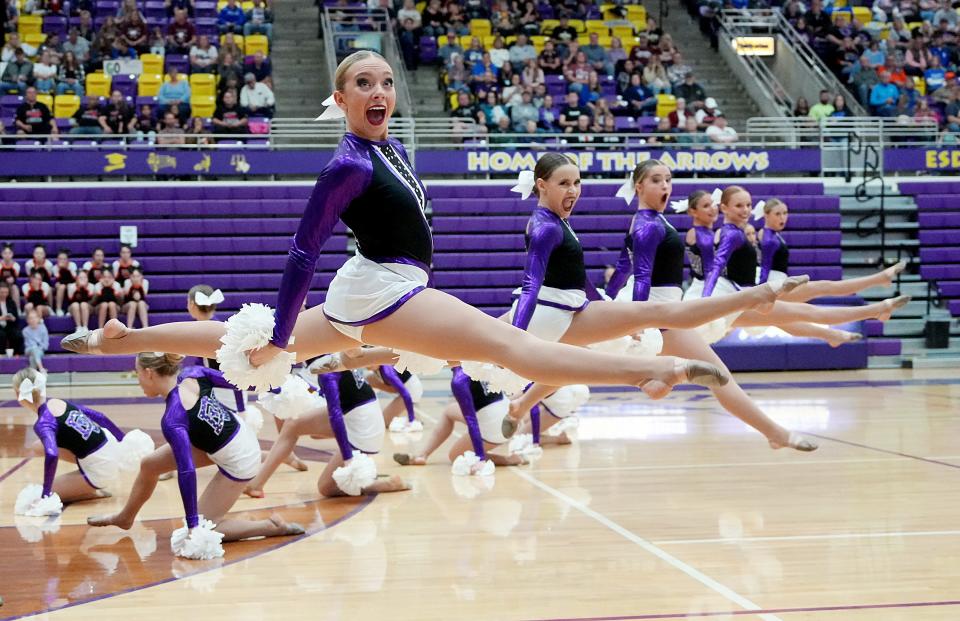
545, 235
535, 423
344, 178
620, 273
214, 376
329, 384
102, 420
460, 385
768, 247
646, 236
46, 430
730, 240
390, 376
704, 237
174, 427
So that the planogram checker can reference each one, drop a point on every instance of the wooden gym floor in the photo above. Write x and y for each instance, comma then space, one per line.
667, 510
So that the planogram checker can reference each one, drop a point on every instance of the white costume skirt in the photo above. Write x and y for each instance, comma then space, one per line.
102, 467
776, 276
415, 388
365, 428
566, 401
490, 417
554, 312
718, 328
657, 294
239, 459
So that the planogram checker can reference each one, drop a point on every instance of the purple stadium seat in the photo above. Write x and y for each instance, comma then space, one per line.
55, 24
428, 49
180, 61
126, 84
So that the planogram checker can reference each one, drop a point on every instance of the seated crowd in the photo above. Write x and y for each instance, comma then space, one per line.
51, 83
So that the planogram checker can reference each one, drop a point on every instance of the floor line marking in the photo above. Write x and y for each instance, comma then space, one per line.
822, 537
799, 462
883, 450
666, 557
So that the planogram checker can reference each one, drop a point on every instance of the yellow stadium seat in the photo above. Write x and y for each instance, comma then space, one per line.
583, 39
844, 12
636, 12
454, 98
598, 26
604, 41
666, 104
246, 5
914, 26
256, 43
238, 39
547, 25
221, 4
639, 24
202, 84
35, 39
862, 14
98, 85
921, 85
149, 84
421, 6
64, 106
624, 32
29, 24
488, 41
46, 100
840, 4
579, 24
180, 76
152, 63
538, 40
480, 27
203, 105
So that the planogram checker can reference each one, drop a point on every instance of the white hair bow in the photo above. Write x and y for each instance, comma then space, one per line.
27, 387
679, 206
628, 190
202, 299
716, 195
332, 112
758, 210
524, 185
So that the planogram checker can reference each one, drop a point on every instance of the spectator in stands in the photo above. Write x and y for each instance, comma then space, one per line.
45, 74
476, 9
86, 27
916, 58
70, 78
522, 52
9, 49
510, 94
135, 292
691, 133
655, 76
126, 9
52, 44
823, 108
909, 98
529, 19
172, 6
563, 33
935, 77
498, 53
409, 45
120, 49
39, 263
642, 51
484, 74
458, 76
33, 117
550, 60
228, 68
87, 118
597, 56
707, 113
663, 134
884, 97
181, 35
616, 54
493, 110
473, 54
107, 297
577, 73
36, 340
231, 18
134, 32
229, 117
256, 98
640, 100
691, 90
409, 11
501, 132
571, 112
467, 109
818, 22
198, 133
11, 15
451, 46
677, 72
116, 117
503, 21
146, 124
524, 112
434, 19
668, 50
170, 132
924, 112
260, 67
17, 74
37, 295
203, 56
11, 337
840, 109
894, 69
946, 13
259, 20
78, 46
103, 40
175, 91
721, 133
157, 42
952, 112
549, 119
678, 118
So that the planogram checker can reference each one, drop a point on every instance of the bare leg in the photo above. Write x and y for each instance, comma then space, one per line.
328, 487
142, 309
220, 495
61, 291
131, 308
112, 309
849, 286
73, 487
351, 359
792, 312
75, 313
152, 466
394, 408
85, 311
312, 423
463, 444
292, 460
438, 436
834, 337
102, 317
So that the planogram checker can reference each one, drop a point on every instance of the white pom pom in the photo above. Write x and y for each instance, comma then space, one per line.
565, 424
496, 377
522, 444
252, 328
356, 474
469, 464
30, 503
471, 487
200, 543
293, 401
134, 447
567, 400
649, 343
418, 364
253, 417
400, 424
32, 529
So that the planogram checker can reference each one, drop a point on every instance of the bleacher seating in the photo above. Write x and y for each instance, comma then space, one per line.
938, 214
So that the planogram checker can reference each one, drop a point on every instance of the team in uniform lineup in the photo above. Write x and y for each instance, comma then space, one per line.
517, 380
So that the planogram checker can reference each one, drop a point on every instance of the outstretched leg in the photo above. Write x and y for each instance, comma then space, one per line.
220, 495
73, 487
311, 423
834, 337
441, 431
849, 286
792, 312
153, 465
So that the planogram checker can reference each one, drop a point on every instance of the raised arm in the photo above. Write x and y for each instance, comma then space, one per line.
546, 236
329, 385
339, 183
729, 242
460, 386
645, 239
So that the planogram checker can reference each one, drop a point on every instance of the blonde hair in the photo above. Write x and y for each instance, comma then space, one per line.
643, 169
206, 290
728, 193
27, 374
771, 204
340, 77
694, 198
163, 364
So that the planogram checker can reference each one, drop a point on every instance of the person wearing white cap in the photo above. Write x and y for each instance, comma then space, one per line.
706, 115
256, 97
